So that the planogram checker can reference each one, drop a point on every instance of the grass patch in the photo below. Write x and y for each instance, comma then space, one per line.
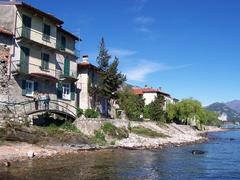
65, 127
111, 130
147, 132
98, 138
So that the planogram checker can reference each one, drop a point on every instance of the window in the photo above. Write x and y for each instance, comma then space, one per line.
45, 61
26, 29
46, 32
27, 21
29, 88
66, 91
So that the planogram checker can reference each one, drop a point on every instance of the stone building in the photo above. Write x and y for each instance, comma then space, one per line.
88, 79
43, 58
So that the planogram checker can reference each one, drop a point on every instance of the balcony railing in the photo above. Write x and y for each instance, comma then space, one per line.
70, 75
63, 48
18, 66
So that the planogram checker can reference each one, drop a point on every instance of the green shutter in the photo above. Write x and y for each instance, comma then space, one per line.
23, 87
35, 86
24, 59
59, 90
63, 43
72, 91
66, 67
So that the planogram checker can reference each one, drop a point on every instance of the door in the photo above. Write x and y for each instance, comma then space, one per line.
24, 59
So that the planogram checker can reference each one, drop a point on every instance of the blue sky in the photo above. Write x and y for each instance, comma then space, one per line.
190, 48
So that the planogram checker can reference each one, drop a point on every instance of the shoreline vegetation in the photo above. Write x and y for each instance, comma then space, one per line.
21, 143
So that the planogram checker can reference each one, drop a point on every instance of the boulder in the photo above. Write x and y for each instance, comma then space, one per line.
198, 152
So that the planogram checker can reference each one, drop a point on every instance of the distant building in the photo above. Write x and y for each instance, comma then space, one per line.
223, 117
149, 95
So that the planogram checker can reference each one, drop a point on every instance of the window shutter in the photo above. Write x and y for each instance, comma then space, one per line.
42, 61
66, 67
23, 87
72, 91
59, 90
35, 86
63, 43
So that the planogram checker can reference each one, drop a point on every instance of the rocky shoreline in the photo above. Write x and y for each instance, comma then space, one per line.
181, 135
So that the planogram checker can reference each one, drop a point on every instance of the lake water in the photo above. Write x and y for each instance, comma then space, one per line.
222, 161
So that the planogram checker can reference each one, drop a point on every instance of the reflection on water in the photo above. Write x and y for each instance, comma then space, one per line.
222, 161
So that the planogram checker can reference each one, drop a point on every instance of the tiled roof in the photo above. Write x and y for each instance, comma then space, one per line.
141, 91
4, 31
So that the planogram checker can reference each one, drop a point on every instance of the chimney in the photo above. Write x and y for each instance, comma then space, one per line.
85, 59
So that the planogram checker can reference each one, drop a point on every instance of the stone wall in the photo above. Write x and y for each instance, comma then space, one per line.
89, 126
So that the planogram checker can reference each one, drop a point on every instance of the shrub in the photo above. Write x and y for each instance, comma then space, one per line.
109, 129
91, 113
156, 112
146, 114
132, 104
98, 138
69, 127
113, 131
79, 112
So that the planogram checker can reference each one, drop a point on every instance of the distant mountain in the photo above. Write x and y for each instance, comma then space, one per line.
223, 109
235, 105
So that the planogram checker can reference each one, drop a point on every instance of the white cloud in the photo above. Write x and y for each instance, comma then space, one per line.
139, 5
140, 71
144, 20
121, 52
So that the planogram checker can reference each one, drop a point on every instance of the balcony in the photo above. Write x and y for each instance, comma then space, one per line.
63, 48
19, 67
35, 36
72, 76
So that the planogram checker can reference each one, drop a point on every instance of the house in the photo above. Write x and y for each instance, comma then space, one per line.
43, 57
87, 95
149, 94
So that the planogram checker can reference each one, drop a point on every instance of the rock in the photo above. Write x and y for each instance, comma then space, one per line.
197, 152
30, 154
7, 164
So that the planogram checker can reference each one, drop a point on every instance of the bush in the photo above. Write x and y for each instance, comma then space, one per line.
98, 138
156, 112
79, 112
132, 104
91, 113
146, 114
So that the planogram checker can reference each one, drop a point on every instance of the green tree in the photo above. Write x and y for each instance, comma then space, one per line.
132, 104
156, 112
171, 112
110, 77
103, 57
